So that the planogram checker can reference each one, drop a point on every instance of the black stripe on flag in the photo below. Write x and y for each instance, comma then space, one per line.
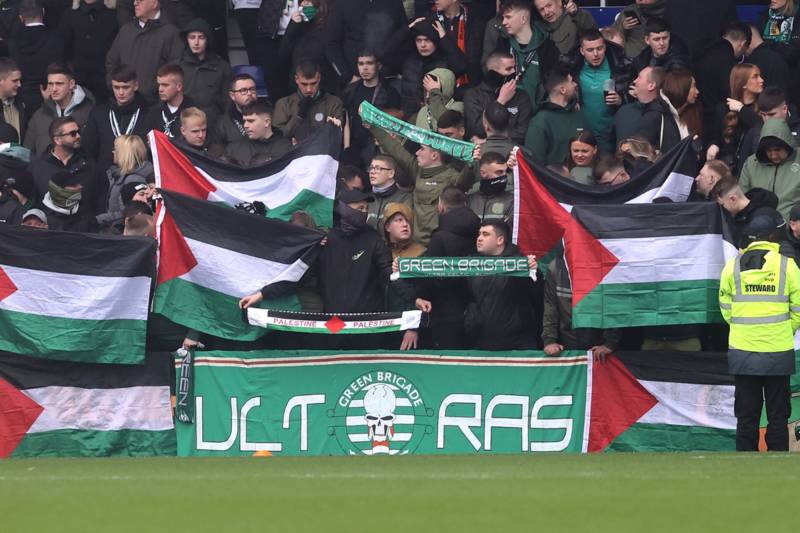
324, 141
680, 159
77, 253
701, 368
26, 372
653, 220
231, 229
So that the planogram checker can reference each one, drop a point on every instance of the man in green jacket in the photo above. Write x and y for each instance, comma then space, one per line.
431, 174
562, 23
775, 166
528, 45
556, 122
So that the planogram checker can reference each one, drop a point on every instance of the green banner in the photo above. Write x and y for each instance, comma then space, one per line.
330, 403
458, 267
375, 117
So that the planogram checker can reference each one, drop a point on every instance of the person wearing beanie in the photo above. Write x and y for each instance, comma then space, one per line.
206, 75
425, 45
759, 296
135, 192
398, 228
62, 202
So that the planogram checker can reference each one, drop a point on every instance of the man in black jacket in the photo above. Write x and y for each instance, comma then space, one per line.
14, 110
241, 93
455, 237
34, 46
769, 61
742, 207
499, 85
355, 266
263, 143
466, 31
663, 49
356, 25
65, 155
166, 117
657, 124
504, 313
123, 114
89, 29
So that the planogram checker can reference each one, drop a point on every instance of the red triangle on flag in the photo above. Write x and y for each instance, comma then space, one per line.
175, 258
618, 401
17, 414
334, 324
7, 287
174, 170
543, 221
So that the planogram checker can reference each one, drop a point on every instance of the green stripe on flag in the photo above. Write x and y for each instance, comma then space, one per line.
210, 311
94, 443
120, 341
319, 207
671, 438
649, 304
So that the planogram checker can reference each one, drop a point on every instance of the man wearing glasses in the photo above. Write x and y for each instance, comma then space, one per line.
66, 156
382, 176
242, 93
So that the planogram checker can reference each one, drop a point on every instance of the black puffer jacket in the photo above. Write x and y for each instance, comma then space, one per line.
505, 313
676, 58
658, 126
455, 237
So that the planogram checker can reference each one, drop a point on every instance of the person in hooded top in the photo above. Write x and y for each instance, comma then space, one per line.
206, 76
67, 99
439, 85
398, 230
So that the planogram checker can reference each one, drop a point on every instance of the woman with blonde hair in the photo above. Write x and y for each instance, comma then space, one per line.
130, 166
737, 115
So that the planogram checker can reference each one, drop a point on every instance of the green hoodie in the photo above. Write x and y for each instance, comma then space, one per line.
439, 101
782, 179
550, 131
531, 76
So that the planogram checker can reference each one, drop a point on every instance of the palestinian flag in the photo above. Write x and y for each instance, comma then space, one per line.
662, 401
543, 199
647, 264
58, 408
303, 179
210, 256
74, 296
327, 324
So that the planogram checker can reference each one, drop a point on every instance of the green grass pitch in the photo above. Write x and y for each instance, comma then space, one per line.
617, 493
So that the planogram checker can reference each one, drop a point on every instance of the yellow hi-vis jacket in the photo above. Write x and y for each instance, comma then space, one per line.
762, 306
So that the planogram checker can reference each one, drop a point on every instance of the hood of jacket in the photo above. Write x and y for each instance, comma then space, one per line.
447, 79
462, 222
775, 128
79, 95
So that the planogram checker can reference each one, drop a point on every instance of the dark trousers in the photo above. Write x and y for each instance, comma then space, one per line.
263, 51
751, 393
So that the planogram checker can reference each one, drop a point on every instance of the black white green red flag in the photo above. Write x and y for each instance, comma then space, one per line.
210, 256
304, 179
74, 296
58, 408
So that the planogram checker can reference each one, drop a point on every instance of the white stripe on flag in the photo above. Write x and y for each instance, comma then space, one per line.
141, 408
237, 274
676, 187
677, 258
60, 295
688, 404
315, 173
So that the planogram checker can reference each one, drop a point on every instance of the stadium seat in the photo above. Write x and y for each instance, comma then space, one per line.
257, 72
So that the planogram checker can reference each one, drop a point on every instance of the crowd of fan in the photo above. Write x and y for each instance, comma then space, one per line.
595, 105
